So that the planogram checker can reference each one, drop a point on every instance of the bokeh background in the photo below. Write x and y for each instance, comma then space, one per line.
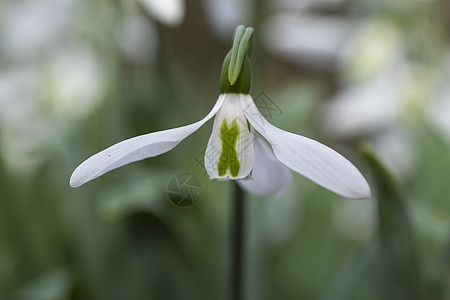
79, 76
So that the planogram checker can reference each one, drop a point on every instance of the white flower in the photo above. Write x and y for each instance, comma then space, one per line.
138, 39
168, 12
223, 16
21, 145
307, 39
73, 83
231, 153
367, 106
31, 29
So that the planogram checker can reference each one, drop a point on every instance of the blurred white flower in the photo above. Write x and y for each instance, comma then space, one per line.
358, 50
74, 83
399, 94
307, 39
30, 28
138, 38
51, 79
439, 112
366, 107
375, 45
223, 16
22, 129
378, 109
386, 107
167, 12
303, 5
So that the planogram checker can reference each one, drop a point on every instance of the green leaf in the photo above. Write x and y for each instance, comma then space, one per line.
397, 262
54, 285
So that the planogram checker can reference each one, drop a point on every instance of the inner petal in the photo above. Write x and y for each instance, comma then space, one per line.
230, 150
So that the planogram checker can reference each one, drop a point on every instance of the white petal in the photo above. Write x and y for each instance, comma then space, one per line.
310, 158
233, 159
168, 12
269, 176
134, 149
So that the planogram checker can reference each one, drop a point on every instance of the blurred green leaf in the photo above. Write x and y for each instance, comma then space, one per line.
142, 195
54, 285
399, 275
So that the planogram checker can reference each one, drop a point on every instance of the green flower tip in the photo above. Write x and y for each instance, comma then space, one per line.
241, 47
236, 66
242, 83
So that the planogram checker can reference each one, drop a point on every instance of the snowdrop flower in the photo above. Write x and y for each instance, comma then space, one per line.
231, 153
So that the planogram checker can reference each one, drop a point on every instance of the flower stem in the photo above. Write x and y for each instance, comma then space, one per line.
237, 243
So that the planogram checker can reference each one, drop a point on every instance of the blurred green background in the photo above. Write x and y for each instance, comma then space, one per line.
79, 76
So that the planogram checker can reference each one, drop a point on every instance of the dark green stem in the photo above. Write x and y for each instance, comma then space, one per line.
237, 243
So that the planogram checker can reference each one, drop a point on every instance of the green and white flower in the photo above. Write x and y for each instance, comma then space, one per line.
232, 153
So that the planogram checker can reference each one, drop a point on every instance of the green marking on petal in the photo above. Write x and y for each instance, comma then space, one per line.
228, 158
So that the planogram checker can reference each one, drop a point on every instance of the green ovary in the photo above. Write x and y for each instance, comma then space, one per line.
228, 158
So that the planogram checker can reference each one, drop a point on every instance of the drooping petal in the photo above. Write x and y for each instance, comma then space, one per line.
134, 149
230, 150
310, 158
269, 176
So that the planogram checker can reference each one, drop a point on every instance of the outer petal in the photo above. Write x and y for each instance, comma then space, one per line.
310, 158
230, 150
134, 149
269, 176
